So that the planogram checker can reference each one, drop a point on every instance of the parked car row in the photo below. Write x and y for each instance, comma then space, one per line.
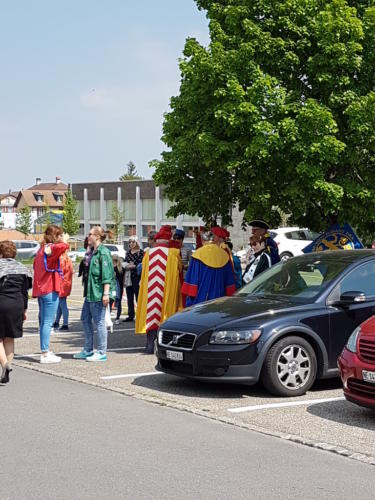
26, 249
114, 249
286, 328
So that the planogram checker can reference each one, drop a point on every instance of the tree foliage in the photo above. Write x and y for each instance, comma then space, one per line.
70, 221
131, 173
117, 227
277, 113
24, 220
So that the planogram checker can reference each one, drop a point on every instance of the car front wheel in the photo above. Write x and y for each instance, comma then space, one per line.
290, 367
285, 256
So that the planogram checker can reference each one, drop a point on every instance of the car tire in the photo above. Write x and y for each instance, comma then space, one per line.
290, 367
285, 256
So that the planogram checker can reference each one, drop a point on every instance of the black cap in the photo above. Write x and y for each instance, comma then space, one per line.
259, 223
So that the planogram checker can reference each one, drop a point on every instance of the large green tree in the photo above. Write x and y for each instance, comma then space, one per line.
277, 113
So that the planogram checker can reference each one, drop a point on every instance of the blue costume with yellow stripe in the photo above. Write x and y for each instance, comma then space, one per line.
209, 275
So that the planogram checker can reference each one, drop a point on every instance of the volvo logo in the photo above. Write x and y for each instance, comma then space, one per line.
175, 339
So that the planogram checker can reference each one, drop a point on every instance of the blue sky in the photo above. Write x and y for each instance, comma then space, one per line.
84, 85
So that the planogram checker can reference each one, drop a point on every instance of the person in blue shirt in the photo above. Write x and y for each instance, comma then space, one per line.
237, 269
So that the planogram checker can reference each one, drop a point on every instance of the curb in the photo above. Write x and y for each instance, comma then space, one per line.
338, 450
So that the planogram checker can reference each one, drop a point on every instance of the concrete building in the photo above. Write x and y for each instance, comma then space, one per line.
144, 207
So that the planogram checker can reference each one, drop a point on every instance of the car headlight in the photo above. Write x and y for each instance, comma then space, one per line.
235, 336
351, 344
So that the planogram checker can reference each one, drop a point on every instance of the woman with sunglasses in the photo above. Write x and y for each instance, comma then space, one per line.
259, 261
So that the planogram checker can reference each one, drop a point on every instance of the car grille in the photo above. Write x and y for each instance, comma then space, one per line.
182, 368
176, 339
361, 387
367, 350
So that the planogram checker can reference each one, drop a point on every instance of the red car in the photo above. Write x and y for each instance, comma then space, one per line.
357, 365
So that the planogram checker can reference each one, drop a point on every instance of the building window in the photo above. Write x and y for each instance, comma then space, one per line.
148, 209
189, 231
129, 210
95, 209
38, 197
40, 211
109, 204
147, 229
130, 230
80, 208
58, 197
166, 205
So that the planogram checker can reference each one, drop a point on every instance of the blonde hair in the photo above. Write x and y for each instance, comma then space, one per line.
99, 231
117, 262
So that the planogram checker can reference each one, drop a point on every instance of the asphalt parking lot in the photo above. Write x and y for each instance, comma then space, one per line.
321, 418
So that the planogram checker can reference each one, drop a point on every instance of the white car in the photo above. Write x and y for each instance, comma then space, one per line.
77, 254
26, 249
116, 249
291, 240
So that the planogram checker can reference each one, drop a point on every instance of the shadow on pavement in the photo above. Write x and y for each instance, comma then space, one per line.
344, 412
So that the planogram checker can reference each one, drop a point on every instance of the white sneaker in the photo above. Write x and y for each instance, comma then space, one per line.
50, 358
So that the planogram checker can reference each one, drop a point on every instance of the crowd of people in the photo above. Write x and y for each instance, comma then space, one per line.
158, 281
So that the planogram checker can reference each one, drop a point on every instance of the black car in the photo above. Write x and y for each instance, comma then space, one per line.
285, 328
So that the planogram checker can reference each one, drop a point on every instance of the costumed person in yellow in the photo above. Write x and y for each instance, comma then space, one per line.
160, 287
210, 273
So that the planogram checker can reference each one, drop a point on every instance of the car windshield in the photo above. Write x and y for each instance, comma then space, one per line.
301, 279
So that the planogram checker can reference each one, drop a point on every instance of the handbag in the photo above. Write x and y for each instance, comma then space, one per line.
108, 319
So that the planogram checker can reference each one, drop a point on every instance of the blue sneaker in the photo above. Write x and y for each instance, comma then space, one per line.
83, 354
97, 357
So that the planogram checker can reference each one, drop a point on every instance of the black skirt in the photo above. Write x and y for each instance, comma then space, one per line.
13, 302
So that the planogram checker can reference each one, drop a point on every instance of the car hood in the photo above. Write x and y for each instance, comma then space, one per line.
227, 310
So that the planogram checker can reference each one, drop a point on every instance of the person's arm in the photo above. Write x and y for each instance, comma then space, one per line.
107, 275
25, 295
263, 264
54, 251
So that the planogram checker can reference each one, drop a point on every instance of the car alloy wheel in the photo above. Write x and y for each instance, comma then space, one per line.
293, 367
290, 367
285, 256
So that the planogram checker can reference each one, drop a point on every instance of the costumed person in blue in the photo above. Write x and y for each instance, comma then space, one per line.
237, 269
210, 273
260, 228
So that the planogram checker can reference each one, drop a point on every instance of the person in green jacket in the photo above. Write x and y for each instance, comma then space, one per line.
101, 287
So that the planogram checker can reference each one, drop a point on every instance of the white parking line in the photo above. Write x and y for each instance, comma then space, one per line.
283, 405
35, 355
131, 375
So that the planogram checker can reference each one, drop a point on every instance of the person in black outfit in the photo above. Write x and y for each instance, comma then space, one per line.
84, 266
15, 281
119, 274
260, 259
134, 257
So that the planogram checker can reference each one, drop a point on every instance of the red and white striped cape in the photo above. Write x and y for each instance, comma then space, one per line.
156, 283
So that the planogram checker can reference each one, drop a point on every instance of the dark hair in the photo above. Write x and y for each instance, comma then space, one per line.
86, 243
8, 249
52, 233
151, 235
230, 245
257, 239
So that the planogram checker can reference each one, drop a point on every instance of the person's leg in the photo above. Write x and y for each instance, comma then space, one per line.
47, 314
130, 297
58, 316
65, 311
88, 327
150, 343
98, 314
136, 289
9, 348
3, 356
119, 307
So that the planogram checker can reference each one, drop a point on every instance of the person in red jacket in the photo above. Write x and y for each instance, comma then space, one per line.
47, 284
65, 290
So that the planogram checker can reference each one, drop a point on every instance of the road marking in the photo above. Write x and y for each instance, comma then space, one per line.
131, 375
283, 405
70, 332
35, 355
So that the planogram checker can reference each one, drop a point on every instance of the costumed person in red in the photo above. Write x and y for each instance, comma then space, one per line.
160, 289
46, 286
210, 273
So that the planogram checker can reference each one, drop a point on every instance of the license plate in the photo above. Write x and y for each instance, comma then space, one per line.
176, 355
368, 376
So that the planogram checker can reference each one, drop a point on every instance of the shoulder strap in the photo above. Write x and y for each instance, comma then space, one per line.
58, 270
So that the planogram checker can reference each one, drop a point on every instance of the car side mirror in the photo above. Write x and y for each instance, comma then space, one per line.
350, 297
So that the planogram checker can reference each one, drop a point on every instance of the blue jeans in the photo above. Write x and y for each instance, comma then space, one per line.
63, 310
47, 311
93, 315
